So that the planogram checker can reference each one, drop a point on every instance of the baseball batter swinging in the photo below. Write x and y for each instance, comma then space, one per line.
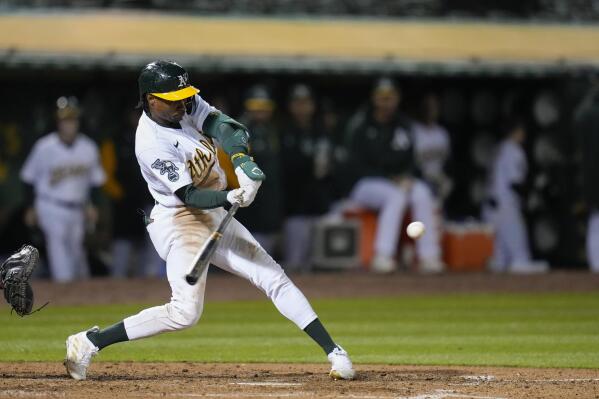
175, 145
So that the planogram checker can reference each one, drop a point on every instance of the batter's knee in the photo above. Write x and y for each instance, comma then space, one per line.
184, 314
276, 283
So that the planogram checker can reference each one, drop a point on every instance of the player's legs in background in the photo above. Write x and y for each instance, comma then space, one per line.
593, 242
76, 245
390, 200
424, 209
121, 257
512, 229
297, 239
513, 232
501, 254
239, 253
55, 223
500, 258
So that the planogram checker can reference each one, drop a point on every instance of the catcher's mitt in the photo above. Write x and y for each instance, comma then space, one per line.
14, 279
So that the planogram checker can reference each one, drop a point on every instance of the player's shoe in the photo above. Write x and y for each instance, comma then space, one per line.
80, 351
342, 368
383, 264
431, 266
531, 267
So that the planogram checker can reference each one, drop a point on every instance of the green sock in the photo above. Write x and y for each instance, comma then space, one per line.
108, 336
318, 333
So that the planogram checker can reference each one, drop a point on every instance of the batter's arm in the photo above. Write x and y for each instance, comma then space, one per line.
202, 198
232, 135
233, 138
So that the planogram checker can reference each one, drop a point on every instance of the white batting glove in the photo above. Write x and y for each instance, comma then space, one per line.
245, 181
250, 186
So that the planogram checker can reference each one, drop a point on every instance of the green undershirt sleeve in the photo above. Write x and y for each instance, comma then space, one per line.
202, 198
232, 135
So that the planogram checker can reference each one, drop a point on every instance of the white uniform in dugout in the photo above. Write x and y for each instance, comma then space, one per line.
62, 176
511, 248
178, 159
431, 150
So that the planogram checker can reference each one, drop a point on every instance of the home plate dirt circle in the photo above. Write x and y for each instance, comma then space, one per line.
199, 380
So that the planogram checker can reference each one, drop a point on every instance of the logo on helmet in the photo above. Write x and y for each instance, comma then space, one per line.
183, 80
167, 167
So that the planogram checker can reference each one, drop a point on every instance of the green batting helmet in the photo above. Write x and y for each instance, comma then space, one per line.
165, 79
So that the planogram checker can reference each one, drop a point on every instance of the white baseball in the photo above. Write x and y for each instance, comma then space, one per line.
415, 229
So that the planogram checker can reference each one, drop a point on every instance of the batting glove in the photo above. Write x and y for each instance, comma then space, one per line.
245, 163
247, 183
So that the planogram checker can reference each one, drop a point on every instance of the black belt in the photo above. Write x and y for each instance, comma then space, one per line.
62, 203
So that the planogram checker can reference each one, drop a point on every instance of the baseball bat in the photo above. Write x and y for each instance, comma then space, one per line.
202, 259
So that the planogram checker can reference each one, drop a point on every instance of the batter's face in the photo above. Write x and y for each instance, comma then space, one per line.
166, 112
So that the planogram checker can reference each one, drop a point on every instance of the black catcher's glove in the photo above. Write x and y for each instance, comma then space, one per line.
14, 279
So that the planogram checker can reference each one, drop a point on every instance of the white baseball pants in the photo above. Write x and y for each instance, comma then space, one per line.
64, 231
593, 242
177, 234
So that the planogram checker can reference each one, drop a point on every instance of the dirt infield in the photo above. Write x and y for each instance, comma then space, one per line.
190, 380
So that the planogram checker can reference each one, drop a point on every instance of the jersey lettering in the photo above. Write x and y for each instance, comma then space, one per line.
203, 161
167, 167
59, 174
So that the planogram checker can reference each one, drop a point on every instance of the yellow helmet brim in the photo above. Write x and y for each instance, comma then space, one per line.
178, 95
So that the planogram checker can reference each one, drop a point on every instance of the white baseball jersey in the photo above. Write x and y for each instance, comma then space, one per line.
63, 172
171, 158
510, 167
431, 149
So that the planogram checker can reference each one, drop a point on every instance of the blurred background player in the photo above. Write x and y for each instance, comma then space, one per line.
381, 159
59, 173
307, 154
266, 216
586, 127
505, 207
432, 147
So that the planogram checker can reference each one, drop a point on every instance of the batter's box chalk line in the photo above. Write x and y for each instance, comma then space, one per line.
445, 394
480, 378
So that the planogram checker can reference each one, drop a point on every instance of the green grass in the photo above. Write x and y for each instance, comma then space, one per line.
540, 330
